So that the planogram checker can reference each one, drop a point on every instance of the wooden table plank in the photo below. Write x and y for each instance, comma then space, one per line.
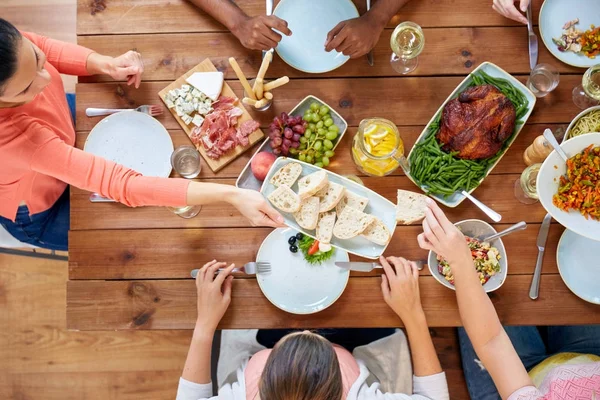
132, 16
343, 164
404, 100
496, 191
171, 304
136, 254
452, 51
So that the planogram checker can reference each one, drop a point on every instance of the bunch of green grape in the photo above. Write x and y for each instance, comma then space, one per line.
319, 138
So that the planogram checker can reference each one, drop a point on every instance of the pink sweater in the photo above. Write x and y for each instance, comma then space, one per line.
37, 157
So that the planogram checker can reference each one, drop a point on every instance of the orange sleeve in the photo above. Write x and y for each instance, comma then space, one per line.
67, 58
56, 158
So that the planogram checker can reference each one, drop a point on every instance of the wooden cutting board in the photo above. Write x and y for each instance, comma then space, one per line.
215, 165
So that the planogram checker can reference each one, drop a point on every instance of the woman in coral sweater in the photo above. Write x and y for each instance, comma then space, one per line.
37, 154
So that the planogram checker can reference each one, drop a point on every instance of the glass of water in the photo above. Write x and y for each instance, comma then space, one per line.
186, 211
186, 161
526, 185
543, 79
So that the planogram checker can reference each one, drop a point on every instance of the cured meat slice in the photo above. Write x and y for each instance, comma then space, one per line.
247, 127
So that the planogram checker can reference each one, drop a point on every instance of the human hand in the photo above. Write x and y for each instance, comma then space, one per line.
253, 206
354, 37
443, 237
256, 33
128, 66
508, 9
214, 294
400, 287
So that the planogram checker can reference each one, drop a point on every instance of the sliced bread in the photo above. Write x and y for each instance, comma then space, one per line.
325, 227
411, 207
285, 199
308, 214
331, 197
353, 200
377, 232
351, 223
311, 184
287, 175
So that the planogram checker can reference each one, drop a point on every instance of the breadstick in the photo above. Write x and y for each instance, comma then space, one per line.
261, 103
258, 83
249, 101
258, 88
276, 83
241, 77
268, 95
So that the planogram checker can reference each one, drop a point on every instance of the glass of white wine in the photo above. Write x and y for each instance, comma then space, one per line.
186, 212
588, 93
526, 185
407, 43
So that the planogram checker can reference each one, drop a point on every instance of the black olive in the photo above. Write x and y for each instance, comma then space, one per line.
293, 249
299, 236
292, 240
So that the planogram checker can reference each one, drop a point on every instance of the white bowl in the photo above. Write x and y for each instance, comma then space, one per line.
548, 181
572, 124
475, 228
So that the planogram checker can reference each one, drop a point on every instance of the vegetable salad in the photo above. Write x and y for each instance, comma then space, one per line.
485, 257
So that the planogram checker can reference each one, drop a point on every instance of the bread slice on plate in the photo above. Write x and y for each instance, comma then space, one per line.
285, 199
377, 233
308, 214
331, 197
311, 184
411, 207
325, 227
353, 200
351, 223
323, 192
287, 175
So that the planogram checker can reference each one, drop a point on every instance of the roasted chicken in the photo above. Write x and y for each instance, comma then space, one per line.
477, 123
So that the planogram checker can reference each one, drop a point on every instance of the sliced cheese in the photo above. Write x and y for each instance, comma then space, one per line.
209, 83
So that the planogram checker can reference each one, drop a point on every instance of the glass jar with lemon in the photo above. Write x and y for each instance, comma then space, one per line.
377, 148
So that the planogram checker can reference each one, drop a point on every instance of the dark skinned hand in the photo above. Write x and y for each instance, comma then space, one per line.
256, 33
353, 37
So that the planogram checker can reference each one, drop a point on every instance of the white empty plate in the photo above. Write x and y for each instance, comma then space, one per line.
294, 285
579, 265
134, 140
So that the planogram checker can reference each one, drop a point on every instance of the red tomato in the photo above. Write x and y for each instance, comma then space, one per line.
314, 248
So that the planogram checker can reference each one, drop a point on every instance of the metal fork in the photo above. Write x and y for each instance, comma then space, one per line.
251, 268
152, 110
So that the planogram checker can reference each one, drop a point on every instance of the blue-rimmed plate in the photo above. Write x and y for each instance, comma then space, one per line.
555, 13
310, 22
579, 266
294, 285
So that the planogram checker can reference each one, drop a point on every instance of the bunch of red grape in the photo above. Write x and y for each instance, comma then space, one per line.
285, 132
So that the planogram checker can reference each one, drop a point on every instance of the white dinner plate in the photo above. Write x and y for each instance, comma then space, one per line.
294, 285
310, 22
555, 13
579, 265
134, 140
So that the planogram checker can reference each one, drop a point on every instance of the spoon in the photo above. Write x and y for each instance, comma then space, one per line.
488, 211
519, 226
549, 136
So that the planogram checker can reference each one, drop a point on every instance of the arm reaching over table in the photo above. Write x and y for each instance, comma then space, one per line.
490, 341
400, 287
356, 37
509, 10
255, 33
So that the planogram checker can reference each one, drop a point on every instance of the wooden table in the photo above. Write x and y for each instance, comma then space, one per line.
128, 268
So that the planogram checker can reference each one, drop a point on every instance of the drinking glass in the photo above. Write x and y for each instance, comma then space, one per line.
588, 93
186, 211
186, 161
543, 79
407, 43
526, 185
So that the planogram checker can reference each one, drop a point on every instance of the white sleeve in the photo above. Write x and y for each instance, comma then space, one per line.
432, 387
194, 391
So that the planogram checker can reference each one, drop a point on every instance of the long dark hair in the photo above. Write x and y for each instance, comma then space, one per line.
10, 38
302, 366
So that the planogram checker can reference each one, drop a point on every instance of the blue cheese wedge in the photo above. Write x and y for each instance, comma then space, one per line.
198, 120
186, 119
169, 103
209, 83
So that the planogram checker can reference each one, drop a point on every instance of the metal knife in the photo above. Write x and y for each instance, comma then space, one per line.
370, 53
269, 9
98, 198
533, 40
541, 245
366, 266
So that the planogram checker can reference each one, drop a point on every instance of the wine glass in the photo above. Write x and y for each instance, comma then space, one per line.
588, 93
526, 185
407, 43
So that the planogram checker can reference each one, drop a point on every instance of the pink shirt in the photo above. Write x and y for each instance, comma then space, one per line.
348, 366
565, 382
37, 157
